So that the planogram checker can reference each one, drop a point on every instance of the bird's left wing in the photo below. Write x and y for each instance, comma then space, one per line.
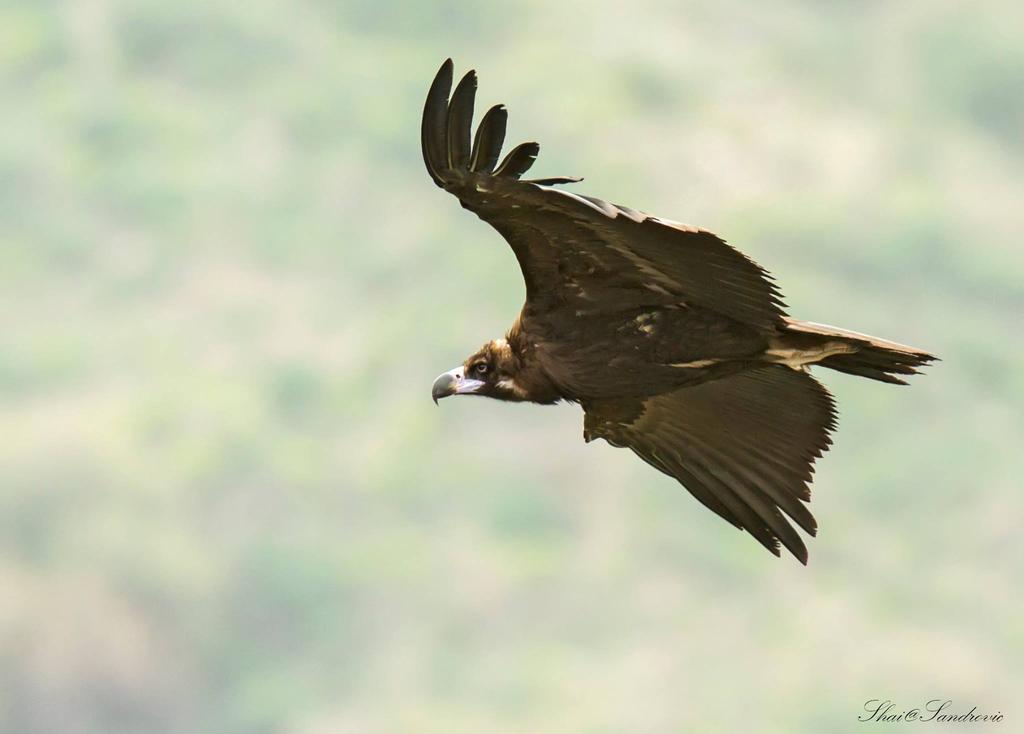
578, 252
744, 445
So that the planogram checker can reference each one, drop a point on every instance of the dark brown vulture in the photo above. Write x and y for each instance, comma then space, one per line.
675, 345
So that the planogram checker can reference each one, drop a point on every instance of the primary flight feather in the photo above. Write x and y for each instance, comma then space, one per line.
675, 345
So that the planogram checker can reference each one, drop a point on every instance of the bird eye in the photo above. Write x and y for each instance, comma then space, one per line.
480, 368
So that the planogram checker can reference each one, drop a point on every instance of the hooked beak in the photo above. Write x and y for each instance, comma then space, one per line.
454, 382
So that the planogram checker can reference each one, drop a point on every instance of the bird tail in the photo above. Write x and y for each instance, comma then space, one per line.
805, 342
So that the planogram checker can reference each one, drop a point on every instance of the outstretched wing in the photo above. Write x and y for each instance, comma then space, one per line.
577, 252
743, 445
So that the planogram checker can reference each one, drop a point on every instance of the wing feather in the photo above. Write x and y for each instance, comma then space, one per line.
518, 161
570, 245
489, 138
434, 130
743, 445
460, 121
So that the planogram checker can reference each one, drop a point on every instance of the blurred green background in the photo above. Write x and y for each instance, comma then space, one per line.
227, 503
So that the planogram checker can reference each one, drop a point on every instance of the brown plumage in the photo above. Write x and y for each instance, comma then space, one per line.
676, 345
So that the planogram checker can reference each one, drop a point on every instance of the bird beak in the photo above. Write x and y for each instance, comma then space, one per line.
454, 382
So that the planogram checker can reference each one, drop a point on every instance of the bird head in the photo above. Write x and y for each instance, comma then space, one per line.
491, 372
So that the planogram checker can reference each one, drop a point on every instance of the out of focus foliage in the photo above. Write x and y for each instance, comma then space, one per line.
227, 503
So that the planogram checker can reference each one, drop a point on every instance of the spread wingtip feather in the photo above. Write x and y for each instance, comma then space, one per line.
435, 122
490, 136
447, 129
518, 161
460, 122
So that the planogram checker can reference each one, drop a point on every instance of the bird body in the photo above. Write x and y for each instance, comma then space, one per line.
675, 345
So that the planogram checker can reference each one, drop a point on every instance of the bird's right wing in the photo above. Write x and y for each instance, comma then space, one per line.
743, 445
577, 252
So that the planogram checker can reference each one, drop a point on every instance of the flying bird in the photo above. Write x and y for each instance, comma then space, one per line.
676, 345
